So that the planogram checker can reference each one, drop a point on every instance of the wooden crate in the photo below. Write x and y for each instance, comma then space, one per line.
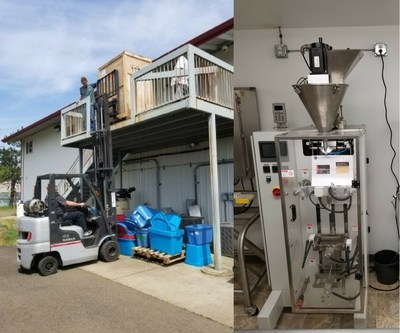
126, 63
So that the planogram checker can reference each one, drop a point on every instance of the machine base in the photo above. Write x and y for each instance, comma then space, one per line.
270, 312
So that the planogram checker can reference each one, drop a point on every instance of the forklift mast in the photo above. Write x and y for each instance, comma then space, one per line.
103, 158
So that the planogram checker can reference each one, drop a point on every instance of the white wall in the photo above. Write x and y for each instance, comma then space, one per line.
256, 66
47, 157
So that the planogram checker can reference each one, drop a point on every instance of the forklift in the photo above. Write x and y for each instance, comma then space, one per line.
46, 241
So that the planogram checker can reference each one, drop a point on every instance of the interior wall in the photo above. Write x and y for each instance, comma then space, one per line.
257, 66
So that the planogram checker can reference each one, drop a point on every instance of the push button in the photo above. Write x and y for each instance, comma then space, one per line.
276, 192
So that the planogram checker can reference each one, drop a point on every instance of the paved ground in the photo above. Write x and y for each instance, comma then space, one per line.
74, 300
180, 284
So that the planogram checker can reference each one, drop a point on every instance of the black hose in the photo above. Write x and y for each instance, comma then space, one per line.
330, 210
378, 289
346, 298
306, 251
347, 253
245, 209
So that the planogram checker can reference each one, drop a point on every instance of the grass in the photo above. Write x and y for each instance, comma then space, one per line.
8, 226
7, 211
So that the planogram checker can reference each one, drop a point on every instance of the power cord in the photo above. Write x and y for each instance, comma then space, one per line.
395, 197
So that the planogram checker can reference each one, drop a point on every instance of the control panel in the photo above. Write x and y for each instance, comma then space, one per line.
269, 194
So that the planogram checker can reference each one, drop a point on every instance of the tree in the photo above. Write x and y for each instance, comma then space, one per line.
10, 168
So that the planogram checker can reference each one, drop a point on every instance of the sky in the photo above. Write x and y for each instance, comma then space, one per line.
46, 46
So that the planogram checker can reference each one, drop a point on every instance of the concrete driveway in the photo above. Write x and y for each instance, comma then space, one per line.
74, 300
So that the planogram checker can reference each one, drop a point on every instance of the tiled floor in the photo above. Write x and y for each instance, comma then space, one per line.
383, 309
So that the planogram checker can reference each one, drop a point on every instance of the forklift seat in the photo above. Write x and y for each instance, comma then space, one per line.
74, 228
65, 223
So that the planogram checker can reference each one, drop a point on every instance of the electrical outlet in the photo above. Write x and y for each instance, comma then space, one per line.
281, 51
380, 49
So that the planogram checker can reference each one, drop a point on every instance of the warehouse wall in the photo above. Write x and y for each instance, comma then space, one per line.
257, 66
177, 169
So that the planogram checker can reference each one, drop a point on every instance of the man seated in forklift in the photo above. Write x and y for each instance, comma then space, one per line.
77, 217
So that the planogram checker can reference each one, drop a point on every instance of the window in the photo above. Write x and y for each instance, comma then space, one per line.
29, 147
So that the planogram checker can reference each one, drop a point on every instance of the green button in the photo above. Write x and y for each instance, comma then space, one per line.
268, 179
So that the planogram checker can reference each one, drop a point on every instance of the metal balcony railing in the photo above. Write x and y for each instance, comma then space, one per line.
187, 73
75, 119
185, 78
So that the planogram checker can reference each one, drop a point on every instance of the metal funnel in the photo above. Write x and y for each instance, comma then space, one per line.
322, 102
341, 63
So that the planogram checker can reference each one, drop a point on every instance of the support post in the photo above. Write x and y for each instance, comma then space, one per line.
212, 129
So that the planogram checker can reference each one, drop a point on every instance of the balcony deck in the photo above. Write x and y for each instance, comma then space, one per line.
171, 100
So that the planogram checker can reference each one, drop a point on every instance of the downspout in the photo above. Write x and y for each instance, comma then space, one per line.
158, 180
196, 182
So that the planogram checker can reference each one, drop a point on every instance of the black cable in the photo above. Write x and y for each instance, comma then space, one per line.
241, 181
378, 289
280, 35
302, 53
330, 210
396, 199
252, 184
301, 80
346, 298
390, 143
306, 251
387, 122
309, 197
326, 208
245, 209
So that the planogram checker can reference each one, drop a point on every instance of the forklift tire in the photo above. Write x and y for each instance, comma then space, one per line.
47, 265
109, 251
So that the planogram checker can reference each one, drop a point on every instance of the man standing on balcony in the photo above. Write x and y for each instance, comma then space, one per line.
88, 90
180, 82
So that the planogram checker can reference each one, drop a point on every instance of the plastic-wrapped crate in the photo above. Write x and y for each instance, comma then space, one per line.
199, 234
166, 241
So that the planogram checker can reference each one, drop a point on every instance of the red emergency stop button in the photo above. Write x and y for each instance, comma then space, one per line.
276, 192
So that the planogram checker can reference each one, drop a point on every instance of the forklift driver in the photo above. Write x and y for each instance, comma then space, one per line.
77, 217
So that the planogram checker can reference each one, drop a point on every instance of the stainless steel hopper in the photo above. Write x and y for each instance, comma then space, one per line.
322, 102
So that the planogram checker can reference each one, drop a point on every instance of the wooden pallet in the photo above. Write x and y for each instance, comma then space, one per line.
161, 257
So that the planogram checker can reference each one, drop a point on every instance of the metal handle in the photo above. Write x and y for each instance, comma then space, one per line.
294, 215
